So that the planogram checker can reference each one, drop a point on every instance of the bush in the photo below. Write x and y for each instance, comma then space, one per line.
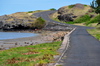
82, 19
30, 11
71, 6
39, 23
52, 9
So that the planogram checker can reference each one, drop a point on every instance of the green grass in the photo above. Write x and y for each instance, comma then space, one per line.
37, 55
93, 20
95, 33
82, 19
70, 22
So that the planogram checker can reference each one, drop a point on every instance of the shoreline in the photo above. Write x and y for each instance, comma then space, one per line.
43, 37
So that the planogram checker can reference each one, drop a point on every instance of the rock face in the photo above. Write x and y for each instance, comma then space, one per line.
66, 17
71, 12
1, 24
16, 22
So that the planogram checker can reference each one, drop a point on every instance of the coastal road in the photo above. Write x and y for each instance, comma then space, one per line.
84, 49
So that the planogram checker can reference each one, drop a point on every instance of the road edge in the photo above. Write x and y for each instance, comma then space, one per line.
63, 48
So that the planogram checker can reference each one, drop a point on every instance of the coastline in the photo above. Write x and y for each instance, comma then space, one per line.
43, 37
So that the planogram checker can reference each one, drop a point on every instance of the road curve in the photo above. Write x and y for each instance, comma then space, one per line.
84, 49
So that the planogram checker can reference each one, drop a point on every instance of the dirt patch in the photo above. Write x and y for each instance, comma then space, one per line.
14, 60
29, 53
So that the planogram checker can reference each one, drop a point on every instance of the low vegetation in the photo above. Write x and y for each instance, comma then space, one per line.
38, 23
52, 9
95, 33
94, 20
31, 12
82, 19
37, 55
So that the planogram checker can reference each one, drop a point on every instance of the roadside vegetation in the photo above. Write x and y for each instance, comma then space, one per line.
38, 23
95, 33
37, 55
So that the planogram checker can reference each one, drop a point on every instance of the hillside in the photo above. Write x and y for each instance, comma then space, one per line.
19, 20
79, 14
72, 12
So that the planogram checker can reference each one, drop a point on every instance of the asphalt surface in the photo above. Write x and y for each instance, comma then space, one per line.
84, 49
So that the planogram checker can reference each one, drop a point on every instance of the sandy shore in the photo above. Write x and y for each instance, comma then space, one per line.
43, 37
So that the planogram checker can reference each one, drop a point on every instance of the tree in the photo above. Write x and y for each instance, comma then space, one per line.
96, 5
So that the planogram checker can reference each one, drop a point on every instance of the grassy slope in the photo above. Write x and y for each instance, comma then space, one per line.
37, 55
25, 15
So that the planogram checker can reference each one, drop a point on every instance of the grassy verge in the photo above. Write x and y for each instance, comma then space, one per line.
95, 33
37, 55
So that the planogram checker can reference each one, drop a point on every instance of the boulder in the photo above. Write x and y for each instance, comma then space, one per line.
66, 17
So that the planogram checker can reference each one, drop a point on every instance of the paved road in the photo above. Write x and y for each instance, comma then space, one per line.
84, 49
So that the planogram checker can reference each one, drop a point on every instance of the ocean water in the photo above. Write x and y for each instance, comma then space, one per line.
14, 35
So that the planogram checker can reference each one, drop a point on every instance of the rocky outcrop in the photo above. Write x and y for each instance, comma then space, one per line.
1, 24
57, 27
11, 22
66, 17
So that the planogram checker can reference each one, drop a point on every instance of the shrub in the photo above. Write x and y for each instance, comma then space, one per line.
82, 19
39, 23
71, 6
52, 9
30, 11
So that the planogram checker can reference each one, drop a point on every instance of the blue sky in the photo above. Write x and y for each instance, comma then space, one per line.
12, 6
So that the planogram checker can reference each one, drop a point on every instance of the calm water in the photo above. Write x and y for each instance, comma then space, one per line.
13, 35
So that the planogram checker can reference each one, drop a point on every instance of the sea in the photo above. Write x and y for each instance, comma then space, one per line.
14, 35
